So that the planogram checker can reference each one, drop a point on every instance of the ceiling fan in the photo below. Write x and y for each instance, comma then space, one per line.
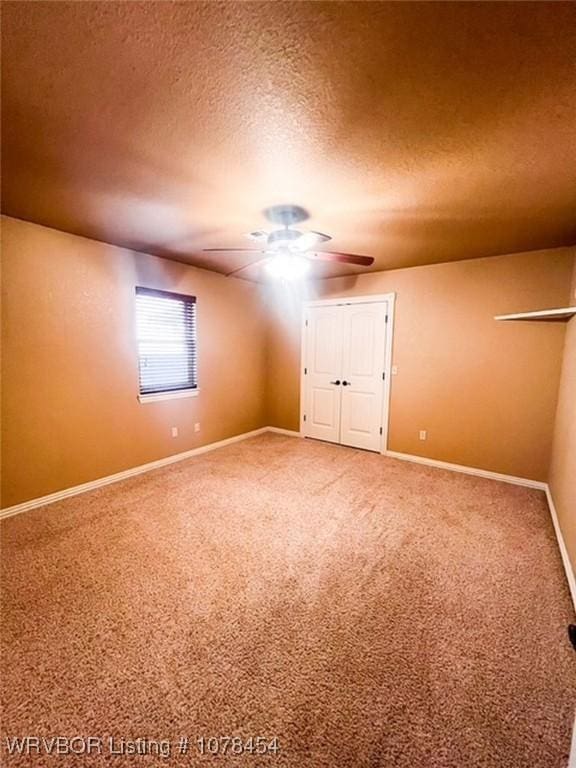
287, 252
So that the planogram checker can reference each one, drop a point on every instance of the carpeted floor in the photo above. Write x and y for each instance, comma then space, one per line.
365, 611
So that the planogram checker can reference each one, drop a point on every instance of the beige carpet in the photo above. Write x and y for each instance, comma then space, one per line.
366, 611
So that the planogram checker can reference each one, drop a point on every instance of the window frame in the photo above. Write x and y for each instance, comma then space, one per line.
172, 393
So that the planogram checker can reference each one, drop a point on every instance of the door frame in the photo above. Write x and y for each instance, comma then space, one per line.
390, 298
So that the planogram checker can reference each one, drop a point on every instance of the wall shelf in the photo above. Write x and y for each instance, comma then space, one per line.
560, 314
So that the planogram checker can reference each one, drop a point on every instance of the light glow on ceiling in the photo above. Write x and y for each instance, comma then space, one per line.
287, 266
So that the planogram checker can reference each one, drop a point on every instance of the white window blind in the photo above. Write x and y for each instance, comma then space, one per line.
166, 334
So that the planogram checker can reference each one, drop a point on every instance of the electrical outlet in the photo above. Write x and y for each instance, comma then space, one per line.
197, 427
394, 370
174, 431
423, 434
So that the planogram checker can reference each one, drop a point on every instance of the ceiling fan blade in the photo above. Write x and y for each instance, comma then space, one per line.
342, 258
310, 239
250, 264
231, 250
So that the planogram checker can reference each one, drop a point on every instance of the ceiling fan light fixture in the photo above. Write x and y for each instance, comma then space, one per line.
287, 266
287, 250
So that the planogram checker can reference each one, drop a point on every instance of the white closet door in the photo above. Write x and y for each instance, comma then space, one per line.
364, 342
323, 373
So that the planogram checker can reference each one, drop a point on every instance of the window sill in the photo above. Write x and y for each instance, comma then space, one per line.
154, 397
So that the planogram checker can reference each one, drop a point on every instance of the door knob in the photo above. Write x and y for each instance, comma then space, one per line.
346, 383
337, 382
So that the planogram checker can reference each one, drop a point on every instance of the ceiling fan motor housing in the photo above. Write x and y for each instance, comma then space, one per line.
282, 237
286, 215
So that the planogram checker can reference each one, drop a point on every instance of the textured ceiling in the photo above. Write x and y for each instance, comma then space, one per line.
412, 132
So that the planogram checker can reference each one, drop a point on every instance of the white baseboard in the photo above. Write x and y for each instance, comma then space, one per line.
289, 432
468, 470
90, 486
562, 547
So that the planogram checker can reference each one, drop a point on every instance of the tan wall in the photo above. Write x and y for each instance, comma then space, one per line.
484, 390
563, 464
70, 371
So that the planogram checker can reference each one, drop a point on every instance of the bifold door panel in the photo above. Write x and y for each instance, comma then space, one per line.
324, 345
344, 373
363, 368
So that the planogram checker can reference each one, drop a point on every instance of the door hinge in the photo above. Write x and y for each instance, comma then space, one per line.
386, 319
305, 371
384, 376
380, 430
306, 322
304, 417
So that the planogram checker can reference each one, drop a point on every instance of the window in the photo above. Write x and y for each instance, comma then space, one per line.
166, 334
